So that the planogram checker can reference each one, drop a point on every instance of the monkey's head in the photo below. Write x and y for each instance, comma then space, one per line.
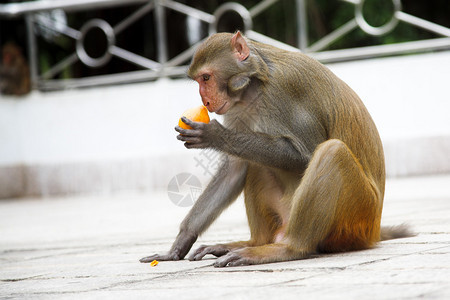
221, 68
11, 54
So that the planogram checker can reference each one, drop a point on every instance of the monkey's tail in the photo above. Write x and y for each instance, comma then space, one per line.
396, 232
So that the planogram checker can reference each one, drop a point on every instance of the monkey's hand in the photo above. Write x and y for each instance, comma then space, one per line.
201, 135
180, 248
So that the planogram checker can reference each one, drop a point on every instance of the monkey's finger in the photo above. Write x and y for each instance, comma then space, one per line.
149, 259
189, 138
226, 259
188, 133
166, 257
191, 123
240, 262
199, 254
199, 145
182, 130
197, 251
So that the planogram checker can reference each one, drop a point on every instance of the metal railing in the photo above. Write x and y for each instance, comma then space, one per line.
163, 66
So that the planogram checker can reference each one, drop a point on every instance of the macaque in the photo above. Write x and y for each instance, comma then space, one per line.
300, 145
14, 71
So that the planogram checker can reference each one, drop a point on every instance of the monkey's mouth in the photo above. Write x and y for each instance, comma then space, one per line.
223, 109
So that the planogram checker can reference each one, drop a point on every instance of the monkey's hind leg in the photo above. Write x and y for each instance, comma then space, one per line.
335, 208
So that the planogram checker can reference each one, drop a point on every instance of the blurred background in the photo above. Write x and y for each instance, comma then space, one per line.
91, 90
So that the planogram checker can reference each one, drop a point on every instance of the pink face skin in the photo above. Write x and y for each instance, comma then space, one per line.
213, 99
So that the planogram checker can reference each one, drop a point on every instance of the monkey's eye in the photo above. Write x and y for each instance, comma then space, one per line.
206, 77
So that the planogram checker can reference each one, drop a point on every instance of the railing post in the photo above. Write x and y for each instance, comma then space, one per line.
32, 50
302, 25
161, 33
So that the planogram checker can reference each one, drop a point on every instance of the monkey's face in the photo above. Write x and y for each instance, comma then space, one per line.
10, 54
214, 94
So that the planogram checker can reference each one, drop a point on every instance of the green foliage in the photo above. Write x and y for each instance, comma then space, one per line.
379, 12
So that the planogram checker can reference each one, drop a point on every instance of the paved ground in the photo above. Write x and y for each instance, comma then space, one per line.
88, 247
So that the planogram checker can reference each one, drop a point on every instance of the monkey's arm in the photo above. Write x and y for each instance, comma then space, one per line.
282, 152
223, 189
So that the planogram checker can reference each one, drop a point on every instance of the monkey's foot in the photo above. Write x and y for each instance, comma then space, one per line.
216, 250
259, 255
219, 249
235, 258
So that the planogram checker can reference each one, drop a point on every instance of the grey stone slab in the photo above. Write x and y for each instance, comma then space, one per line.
89, 247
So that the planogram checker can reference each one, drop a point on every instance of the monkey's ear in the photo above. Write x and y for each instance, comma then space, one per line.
238, 82
240, 47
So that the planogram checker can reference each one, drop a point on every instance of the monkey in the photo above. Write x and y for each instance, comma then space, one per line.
14, 71
298, 142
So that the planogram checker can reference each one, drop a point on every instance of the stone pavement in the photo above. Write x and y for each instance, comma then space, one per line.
88, 247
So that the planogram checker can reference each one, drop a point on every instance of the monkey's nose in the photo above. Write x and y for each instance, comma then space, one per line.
205, 102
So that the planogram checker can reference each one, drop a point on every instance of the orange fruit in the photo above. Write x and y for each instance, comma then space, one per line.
196, 114
154, 263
